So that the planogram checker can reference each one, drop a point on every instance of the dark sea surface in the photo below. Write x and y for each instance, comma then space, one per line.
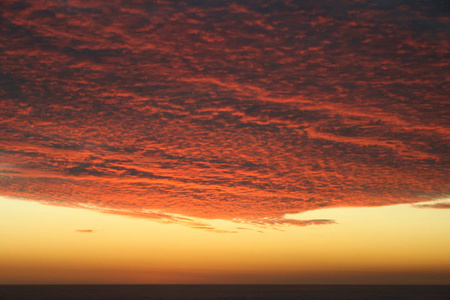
141, 292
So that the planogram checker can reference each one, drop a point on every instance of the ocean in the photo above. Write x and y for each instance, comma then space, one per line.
172, 292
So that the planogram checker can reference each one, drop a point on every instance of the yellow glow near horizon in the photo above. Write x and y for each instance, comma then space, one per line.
396, 244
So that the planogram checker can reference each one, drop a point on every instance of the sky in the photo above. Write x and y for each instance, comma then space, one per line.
224, 141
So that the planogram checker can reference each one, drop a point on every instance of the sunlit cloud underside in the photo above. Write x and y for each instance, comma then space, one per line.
175, 110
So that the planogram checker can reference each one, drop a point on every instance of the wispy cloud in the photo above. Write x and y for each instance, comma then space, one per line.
445, 205
230, 110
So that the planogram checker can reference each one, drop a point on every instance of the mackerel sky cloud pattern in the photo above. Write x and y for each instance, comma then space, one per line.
244, 110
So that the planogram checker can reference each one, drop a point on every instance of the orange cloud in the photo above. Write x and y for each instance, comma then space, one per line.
230, 111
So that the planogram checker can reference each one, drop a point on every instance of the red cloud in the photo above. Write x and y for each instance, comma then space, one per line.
239, 111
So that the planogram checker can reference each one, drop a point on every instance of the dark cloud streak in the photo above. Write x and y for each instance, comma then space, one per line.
433, 205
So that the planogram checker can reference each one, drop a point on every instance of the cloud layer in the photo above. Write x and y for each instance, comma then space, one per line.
224, 109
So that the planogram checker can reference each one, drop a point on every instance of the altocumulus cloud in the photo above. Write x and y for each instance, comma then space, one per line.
238, 110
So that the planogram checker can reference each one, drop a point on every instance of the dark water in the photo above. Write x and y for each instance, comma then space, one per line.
141, 292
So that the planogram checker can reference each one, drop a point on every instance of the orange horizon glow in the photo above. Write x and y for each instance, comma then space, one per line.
52, 248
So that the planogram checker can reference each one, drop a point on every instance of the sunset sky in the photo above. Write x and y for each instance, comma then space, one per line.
225, 141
